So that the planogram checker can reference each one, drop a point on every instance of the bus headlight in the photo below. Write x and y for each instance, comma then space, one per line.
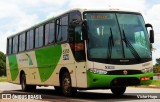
97, 71
146, 70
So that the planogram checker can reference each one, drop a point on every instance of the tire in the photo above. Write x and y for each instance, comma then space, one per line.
66, 85
118, 90
26, 87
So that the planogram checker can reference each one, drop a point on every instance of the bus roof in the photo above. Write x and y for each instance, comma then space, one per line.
77, 9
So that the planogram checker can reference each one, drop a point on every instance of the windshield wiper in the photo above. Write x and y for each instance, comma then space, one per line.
131, 48
110, 44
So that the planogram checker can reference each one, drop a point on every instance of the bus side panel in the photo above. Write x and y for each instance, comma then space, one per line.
27, 63
8, 72
66, 61
47, 60
12, 69
81, 75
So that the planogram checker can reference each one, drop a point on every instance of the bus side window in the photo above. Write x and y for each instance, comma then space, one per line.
73, 16
31, 39
36, 38
28, 34
46, 34
62, 29
51, 32
23, 42
20, 40
15, 44
40, 38
9, 46
75, 36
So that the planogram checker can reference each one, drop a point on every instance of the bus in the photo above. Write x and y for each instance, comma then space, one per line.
83, 49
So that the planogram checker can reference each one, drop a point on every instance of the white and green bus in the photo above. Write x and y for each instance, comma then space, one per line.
83, 49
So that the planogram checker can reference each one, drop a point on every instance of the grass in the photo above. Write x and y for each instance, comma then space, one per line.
3, 79
155, 82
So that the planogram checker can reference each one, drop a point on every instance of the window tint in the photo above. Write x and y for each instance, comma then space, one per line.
39, 37
51, 33
40, 40
31, 39
62, 29
23, 42
10, 46
15, 44
36, 38
46, 34
20, 40
28, 40
74, 16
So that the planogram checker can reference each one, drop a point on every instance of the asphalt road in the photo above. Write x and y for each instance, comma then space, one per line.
48, 94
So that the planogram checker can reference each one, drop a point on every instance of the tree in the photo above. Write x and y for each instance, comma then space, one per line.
2, 64
158, 62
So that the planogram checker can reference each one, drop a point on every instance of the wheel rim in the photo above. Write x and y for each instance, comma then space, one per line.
66, 85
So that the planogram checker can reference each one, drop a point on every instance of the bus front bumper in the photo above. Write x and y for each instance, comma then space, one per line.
105, 81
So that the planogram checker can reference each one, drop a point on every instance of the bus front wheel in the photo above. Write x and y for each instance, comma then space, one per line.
66, 85
118, 90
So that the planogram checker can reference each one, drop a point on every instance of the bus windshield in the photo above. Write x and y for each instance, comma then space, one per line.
117, 36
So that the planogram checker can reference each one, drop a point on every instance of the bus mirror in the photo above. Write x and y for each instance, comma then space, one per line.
151, 36
84, 30
148, 25
151, 32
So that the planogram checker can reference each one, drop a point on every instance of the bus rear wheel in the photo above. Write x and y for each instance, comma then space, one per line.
66, 86
118, 90
26, 87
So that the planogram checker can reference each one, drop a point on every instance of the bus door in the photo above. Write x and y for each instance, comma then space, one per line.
79, 54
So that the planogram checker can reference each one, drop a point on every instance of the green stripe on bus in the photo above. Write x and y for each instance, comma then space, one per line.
47, 60
13, 67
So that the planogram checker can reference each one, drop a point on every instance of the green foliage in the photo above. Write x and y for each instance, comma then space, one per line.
155, 82
158, 62
2, 64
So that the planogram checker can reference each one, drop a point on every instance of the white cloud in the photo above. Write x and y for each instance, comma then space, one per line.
94, 4
15, 20
40, 2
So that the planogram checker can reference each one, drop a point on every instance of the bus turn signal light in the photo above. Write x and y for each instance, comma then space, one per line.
145, 78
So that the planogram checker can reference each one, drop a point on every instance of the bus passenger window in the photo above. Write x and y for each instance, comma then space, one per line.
27, 47
20, 40
23, 42
15, 44
62, 29
51, 33
36, 38
46, 34
10, 46
31, 39
40, 38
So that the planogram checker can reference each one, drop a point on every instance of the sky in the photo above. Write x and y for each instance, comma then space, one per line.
17, 15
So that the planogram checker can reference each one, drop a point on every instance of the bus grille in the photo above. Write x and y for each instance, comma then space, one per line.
120, 72
125, 82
